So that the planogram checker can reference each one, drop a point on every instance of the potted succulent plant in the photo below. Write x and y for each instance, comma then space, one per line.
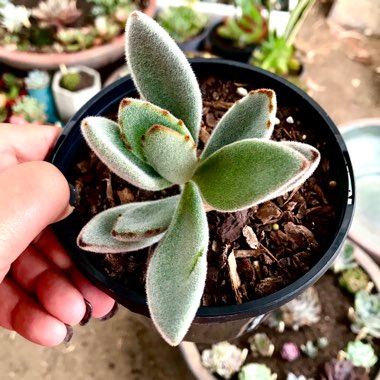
38, 86
54, 32
237, 36
73, 87
331, 331
277, 53
153, 147
184, 24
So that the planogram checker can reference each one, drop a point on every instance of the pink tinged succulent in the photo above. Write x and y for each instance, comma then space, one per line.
153, 146
290, 352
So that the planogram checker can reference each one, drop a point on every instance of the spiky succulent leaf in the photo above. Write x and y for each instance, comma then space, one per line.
96, 235
171, 154
177, 271
103, 137
313, 157
137, 116
161, 72
141, 220
250, 117
247, 172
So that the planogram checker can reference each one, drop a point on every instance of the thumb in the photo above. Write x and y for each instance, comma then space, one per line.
32, 196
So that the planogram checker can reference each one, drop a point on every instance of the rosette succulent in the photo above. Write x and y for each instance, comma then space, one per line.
154, 146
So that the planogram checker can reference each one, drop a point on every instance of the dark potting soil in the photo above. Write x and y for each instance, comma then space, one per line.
273, 243
334, 325
86, 80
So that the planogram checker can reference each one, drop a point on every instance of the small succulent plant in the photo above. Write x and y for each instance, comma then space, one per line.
224, 359
353, 280
247, 28
304, 310
14, 17
37, 79
290, 351
106, 28
309, 349
111, 7
366, 315
361, 354
76, 39
70, 80
182, 22
57, 13
292, 376
345, 260
30, 109
256, 371
261, 345
343, 370
154, 146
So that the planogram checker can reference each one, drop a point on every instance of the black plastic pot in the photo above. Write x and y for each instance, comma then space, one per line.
225, 48
213, 323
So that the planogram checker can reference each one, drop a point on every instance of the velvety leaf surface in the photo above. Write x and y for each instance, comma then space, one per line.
137, 116
250, 117
161, 72
140, 220
103, 137
177, 271
96, 235
247, 172
171, 154
313, 157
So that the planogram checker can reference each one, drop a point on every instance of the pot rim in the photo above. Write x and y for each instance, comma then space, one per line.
206, 314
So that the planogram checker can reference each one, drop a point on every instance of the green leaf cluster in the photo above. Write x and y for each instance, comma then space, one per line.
154, 146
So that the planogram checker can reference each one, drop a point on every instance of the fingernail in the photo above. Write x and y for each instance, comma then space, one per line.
87, 314
110, 314
73, 195
69, 334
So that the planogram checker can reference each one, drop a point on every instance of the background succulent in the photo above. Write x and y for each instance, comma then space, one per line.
30, 109
154, 145
14, 17
182, 22
366, 314
58, 13
246, 28
37, 79
256, 371
361, 354
70, 80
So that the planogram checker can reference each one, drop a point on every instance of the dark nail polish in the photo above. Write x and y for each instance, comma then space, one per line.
87, 315
109, 315
69, 334
73, 195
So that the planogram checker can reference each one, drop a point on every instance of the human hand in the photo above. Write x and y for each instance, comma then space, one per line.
41, 293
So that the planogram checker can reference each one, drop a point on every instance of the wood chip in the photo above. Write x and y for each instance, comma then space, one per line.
250, 237
125, 196
204, 135
234, 277
243, 253
109, 192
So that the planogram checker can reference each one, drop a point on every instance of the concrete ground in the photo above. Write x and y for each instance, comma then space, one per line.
123, 348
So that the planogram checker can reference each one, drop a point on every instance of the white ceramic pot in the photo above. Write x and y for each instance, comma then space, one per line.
69, 102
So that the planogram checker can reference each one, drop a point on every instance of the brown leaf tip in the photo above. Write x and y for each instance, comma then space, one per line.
125, 102
187, 138
269, 93
164, 112
180, 123
269, 124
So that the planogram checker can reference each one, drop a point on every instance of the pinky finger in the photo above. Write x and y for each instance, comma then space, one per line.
20, 313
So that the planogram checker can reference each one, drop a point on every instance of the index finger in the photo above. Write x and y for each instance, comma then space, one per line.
22, 143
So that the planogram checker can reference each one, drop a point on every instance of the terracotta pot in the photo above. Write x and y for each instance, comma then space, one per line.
212, 324
95, 57
192, 355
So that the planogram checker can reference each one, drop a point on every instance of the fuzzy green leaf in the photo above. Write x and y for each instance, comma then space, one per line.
250, 117
137, 116
171, 154
142, 220
313, 157
96, 235
177, 271
103, 137
161, 72
247, 172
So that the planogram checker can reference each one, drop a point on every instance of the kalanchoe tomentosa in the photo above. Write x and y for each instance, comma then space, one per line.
154, 145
